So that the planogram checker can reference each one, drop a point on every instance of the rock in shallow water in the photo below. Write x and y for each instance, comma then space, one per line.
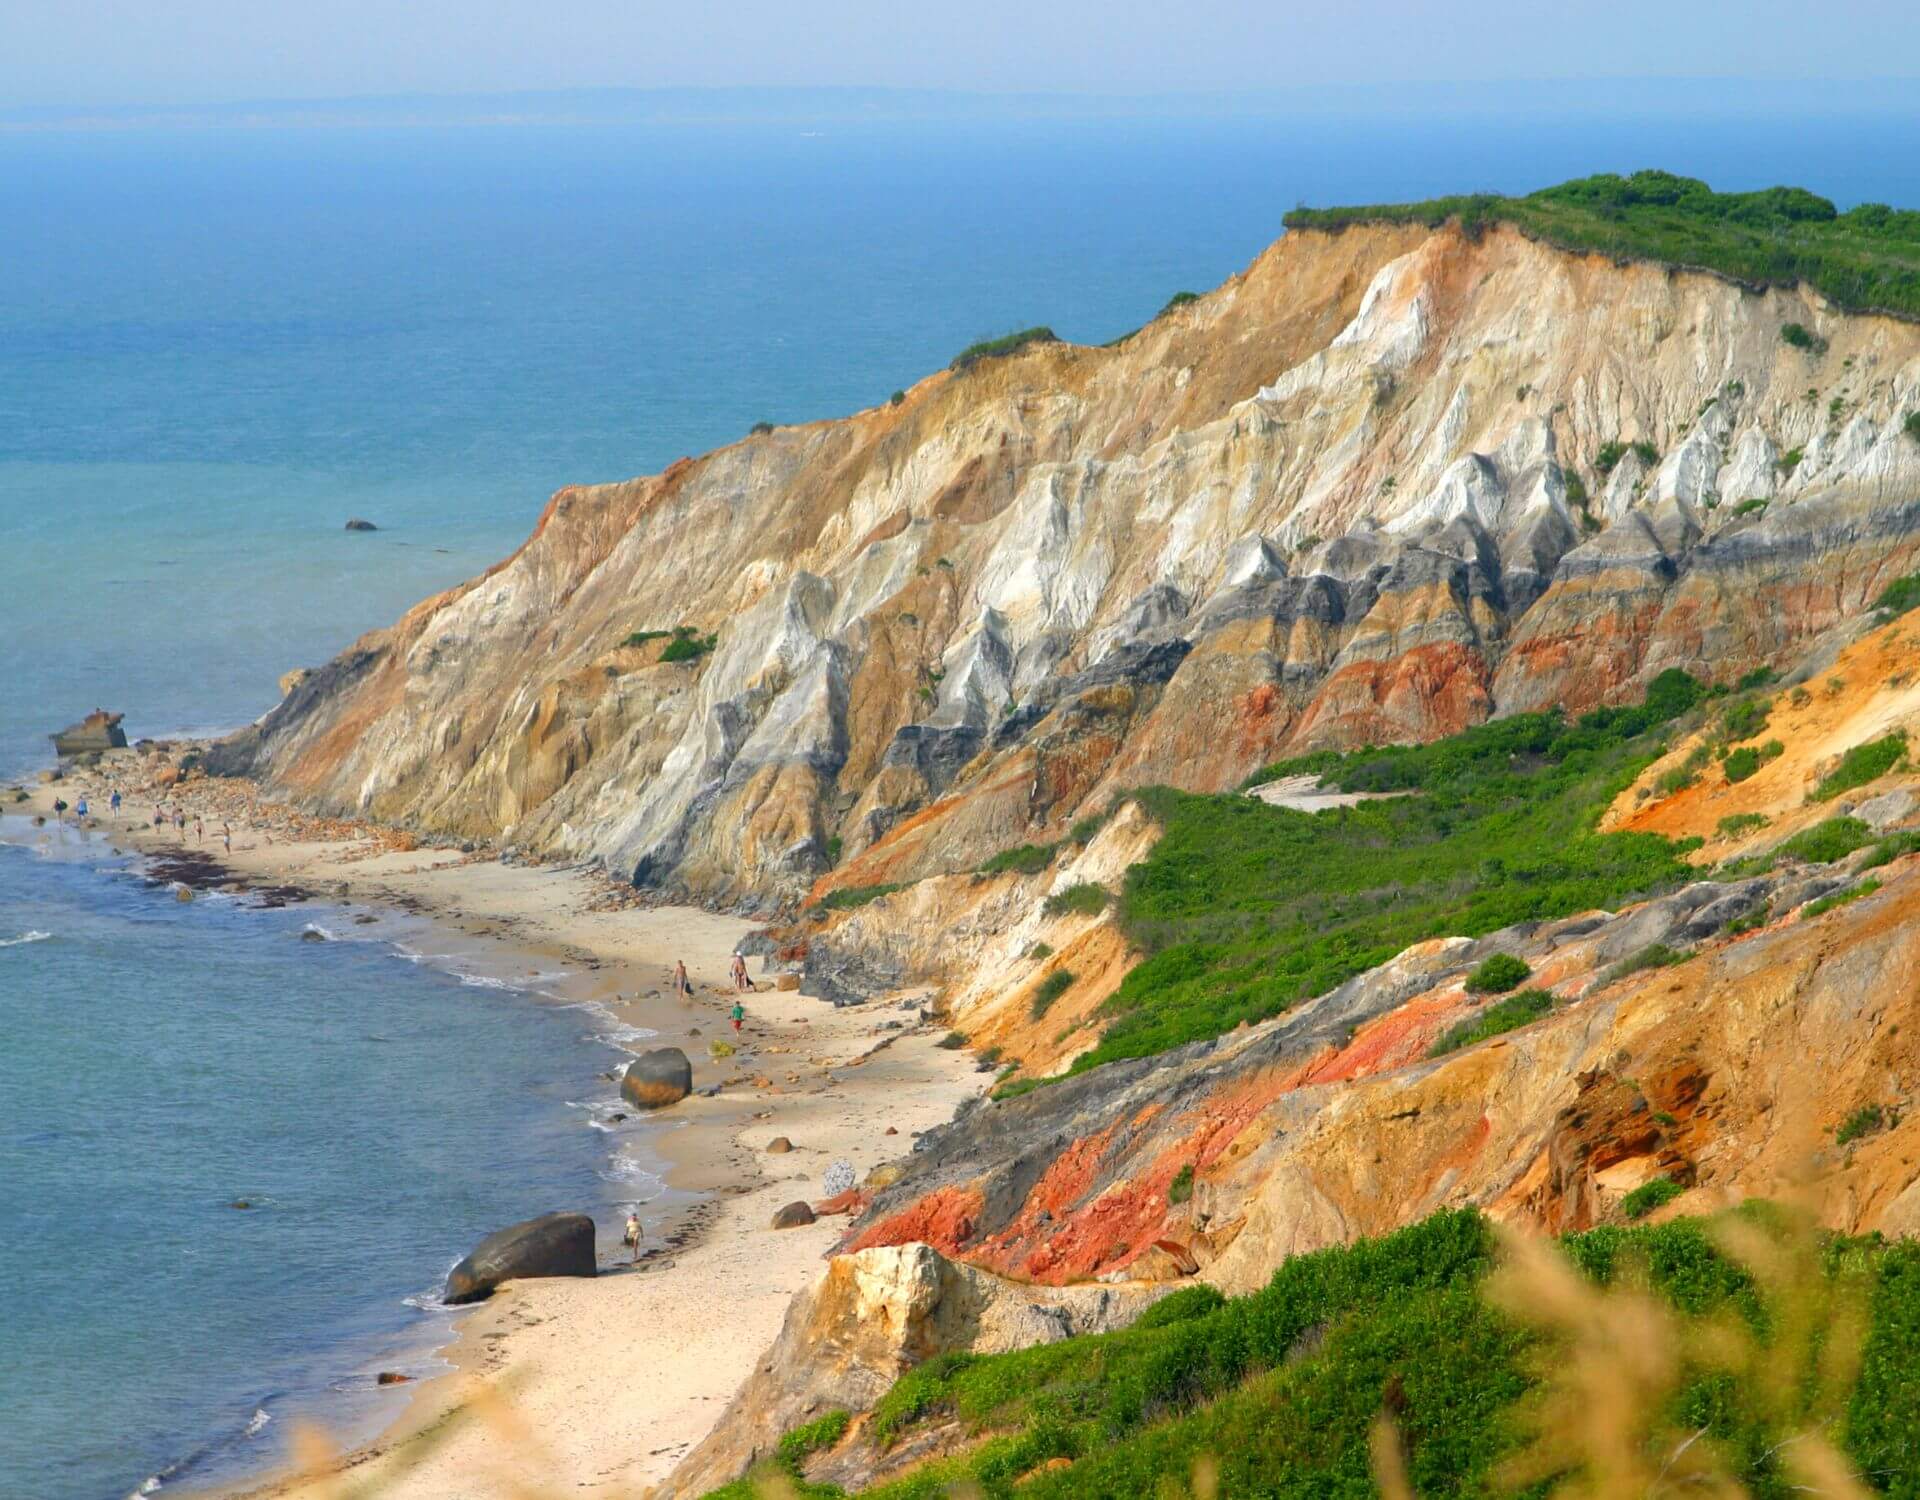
356, 524
655, 1079
559, 1244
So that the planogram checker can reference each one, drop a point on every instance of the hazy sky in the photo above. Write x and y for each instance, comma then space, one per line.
123, 52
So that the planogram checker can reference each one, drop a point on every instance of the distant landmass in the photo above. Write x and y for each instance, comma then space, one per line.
1660, 96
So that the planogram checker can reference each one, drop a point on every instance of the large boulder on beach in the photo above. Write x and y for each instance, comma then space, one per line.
551, 1245
655, 1079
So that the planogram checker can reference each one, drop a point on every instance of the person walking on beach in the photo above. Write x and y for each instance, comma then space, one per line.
632, 1237
681, 984
226, 836
80, 810
113, 805
737, 1015
740, 980
180, 824
199, 829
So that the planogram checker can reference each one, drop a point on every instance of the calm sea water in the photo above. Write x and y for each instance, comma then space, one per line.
215, 348
164, 1060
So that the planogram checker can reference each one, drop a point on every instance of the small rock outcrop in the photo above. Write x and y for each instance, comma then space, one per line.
870, 1318
98, 731
655, 1079
558, 1244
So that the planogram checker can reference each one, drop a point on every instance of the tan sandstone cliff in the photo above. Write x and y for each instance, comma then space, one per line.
1327, 503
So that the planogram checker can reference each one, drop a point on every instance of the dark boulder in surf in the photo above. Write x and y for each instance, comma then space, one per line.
552, 1245
356, 524
655, 1079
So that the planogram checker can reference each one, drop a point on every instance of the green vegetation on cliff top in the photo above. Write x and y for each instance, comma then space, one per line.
1281, 1388
1865, 259
1245, 909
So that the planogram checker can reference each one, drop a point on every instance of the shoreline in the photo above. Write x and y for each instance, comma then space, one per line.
619, 1375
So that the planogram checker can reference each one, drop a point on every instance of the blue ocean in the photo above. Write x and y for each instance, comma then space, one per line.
216, 346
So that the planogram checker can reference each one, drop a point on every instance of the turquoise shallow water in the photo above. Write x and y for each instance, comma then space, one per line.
217, 346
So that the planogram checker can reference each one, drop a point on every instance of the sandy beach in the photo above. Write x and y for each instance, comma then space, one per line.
595, 1387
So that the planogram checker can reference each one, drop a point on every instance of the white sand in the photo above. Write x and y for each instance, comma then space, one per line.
607, 1383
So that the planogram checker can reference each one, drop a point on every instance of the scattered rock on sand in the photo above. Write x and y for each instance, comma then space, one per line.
357, 524
839, 1178
793, 1216
552, 1245
655, 1079
787, 982
891, 1130
779, 1146
884, 1176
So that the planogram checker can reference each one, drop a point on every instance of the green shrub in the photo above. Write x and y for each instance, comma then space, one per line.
1647, 453
1825, 842
1007, 343
1753, 921
1049, 990
1083, 897
1177, 1307
1023, 859
1576, 492
1181, 1188
1787, 462
848, 897
1742, 763
1644, 1199
1178, 299
1609, 456
1759, 677
1040, 950
1498, 973
1839, 898
1503, 1016
1745, 719
1750, 506
1733, 825
1862, 764
760, 429
953, 1041
687, 644
1653, 956
1911, 426
1678, 778
1863, 1121
897, 398
834, 846
1800, 337
1901, 595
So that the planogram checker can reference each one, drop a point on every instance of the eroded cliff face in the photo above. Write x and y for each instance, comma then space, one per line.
1328, 503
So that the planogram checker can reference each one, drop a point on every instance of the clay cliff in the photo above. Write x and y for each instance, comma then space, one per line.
1382, 485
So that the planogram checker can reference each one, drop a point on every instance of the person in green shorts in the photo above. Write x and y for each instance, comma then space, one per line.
737, 1015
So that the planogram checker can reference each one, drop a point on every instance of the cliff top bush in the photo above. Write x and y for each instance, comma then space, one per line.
1866, 258
1497, 974
1007, 343
1243, 909
1280, 1389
